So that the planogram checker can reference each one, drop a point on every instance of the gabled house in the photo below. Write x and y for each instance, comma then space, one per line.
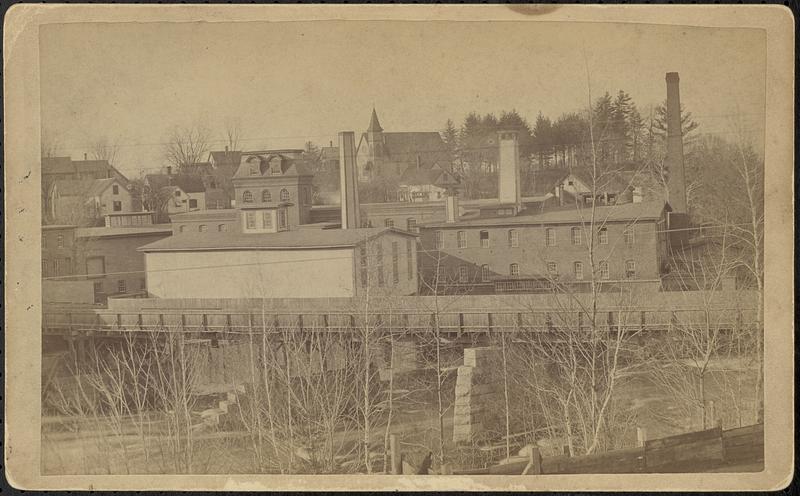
85, 201
175, 193
425, 182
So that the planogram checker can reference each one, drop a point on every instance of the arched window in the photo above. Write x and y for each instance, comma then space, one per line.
577, 268
513, 238
202, 228
266, 197
182, 228
513, 269
550, 236
630, 269
247, 197
603, 236
552, 269
485, 273
604, 274
284, 195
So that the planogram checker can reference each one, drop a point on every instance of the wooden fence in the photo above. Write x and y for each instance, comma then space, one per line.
691, 452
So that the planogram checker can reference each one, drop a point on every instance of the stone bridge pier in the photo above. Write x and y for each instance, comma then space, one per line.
479, 395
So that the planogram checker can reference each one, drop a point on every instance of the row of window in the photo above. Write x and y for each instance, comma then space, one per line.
59, 241
411, 224
550, 237
377, 267
266, 196
552, 271
58, 267
204, 228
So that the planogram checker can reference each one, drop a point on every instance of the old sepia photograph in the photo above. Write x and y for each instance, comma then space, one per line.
374, 247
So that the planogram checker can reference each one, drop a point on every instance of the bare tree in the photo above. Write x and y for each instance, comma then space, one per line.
186, 146
104, 149
233, 133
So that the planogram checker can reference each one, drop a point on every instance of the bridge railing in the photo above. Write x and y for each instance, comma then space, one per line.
448, 321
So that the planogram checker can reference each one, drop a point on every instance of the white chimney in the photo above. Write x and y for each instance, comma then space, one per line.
637, 195
348, 182
451, 206
508, 180
676, 184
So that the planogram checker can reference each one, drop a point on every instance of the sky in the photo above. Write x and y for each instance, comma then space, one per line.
292, 82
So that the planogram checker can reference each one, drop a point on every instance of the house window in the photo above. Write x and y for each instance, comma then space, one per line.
121, 288
251, 220
266, 219
513, 270
177, 192
411, 225
283, 219
192, 203
485, 273
603, 236
284, 195
388, 223
552, 269
462, 239
117, 206
550, 236
395, 263
115, 189
484, 239
379, 264
463, 275
439, 240
97, 287
60, 241
577, 268
409, 260
253, 170
630, 269
266, 196
628, 236
222, 228
576, 235
513, 238
247, 197
181, 228
203, 228
604, 270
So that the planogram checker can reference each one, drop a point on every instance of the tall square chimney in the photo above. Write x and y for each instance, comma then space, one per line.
348, 182
676, 181
508, 180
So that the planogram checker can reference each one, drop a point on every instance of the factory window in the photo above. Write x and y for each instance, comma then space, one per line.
603, 235
388, 223
283, 219
411, 225
550, 236
284, 195
513, 270
115, 190
439, 240
247, 197
203, 228
121, 287
222, 228
57, 267
60, 241
266, 197
379, 263
45, 268
484, 239
462, 239
513, 238
604, 270
266, 219
97, 287
463, 275
251, 220
485, 273
576, 235
630, 269
44, 241
181, 228
395, 263
552, 269
577, 268
629, 236
409, 260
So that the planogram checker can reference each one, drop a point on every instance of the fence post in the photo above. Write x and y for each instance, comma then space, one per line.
534, 466
641, 436
711, 415
394, 452
491, 321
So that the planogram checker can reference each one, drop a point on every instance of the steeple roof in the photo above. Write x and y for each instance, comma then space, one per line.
374, 125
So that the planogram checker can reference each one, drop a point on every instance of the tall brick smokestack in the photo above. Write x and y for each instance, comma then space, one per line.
676, 182
508, 177
348, 182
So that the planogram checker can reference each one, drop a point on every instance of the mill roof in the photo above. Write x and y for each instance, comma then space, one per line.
426, 174
108, 232
286, 240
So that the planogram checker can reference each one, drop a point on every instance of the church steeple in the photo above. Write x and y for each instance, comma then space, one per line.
374, 125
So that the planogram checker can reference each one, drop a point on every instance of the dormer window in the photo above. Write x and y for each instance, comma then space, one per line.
253, 170
275, 166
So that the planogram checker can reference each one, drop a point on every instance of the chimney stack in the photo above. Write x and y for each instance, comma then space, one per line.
331, 144
348, 182
676, 184
85, 156
451, 206
508, 183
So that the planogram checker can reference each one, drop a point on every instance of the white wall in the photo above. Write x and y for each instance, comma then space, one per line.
251, 273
